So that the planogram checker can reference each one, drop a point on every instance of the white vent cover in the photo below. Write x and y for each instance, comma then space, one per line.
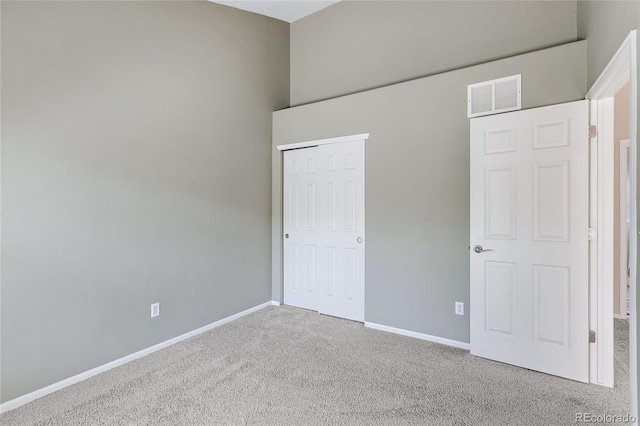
490, 97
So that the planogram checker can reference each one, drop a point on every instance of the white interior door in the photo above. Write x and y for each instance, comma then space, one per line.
324, 229
342, 223
301, 183
529, 213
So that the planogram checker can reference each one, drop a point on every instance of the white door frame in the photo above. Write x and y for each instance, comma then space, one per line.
601, 260
621, 69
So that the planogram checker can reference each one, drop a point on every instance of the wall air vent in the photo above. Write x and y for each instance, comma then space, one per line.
491, 97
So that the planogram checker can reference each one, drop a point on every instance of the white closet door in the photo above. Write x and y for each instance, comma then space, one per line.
341, 272
301, 182
324, 229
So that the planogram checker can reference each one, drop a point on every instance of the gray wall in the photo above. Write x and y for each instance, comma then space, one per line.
136, 143
605, 25
356, 45
417, 181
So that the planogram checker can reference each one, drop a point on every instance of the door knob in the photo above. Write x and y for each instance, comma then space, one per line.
479, 249
286, 235
359, 239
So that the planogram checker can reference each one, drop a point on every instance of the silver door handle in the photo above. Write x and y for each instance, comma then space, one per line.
479, 249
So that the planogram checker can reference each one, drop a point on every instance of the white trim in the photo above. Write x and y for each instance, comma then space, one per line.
275, 303
618, 316
616, 73
25, 399
340, 139
421, 336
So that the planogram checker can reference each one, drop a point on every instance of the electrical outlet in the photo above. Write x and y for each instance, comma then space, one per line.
155, 310
459, 308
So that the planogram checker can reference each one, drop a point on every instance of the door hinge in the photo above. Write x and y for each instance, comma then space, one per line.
592, 234
592, 336
593, 131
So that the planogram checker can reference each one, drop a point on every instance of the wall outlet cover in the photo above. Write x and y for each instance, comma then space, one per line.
155, 310
459, 308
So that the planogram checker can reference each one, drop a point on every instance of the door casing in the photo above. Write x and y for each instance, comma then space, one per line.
621, 69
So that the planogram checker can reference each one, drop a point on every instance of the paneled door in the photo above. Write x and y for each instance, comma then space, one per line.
529, 239
301, 239
342, 224
324, 229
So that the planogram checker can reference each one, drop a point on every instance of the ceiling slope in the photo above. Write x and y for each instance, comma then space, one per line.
284, 10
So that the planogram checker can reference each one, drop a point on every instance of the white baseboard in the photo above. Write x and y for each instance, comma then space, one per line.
618, 316
420, 336
25, 399
276, 303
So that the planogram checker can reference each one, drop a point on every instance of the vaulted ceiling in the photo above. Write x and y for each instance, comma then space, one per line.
285, 10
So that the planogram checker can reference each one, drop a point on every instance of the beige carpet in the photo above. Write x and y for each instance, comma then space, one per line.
288, 366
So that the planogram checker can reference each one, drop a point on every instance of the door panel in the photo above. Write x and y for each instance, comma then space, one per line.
300, 223
342, 243
551, 201
500, 297
529, 211
500, 203
551, 304
324, 220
